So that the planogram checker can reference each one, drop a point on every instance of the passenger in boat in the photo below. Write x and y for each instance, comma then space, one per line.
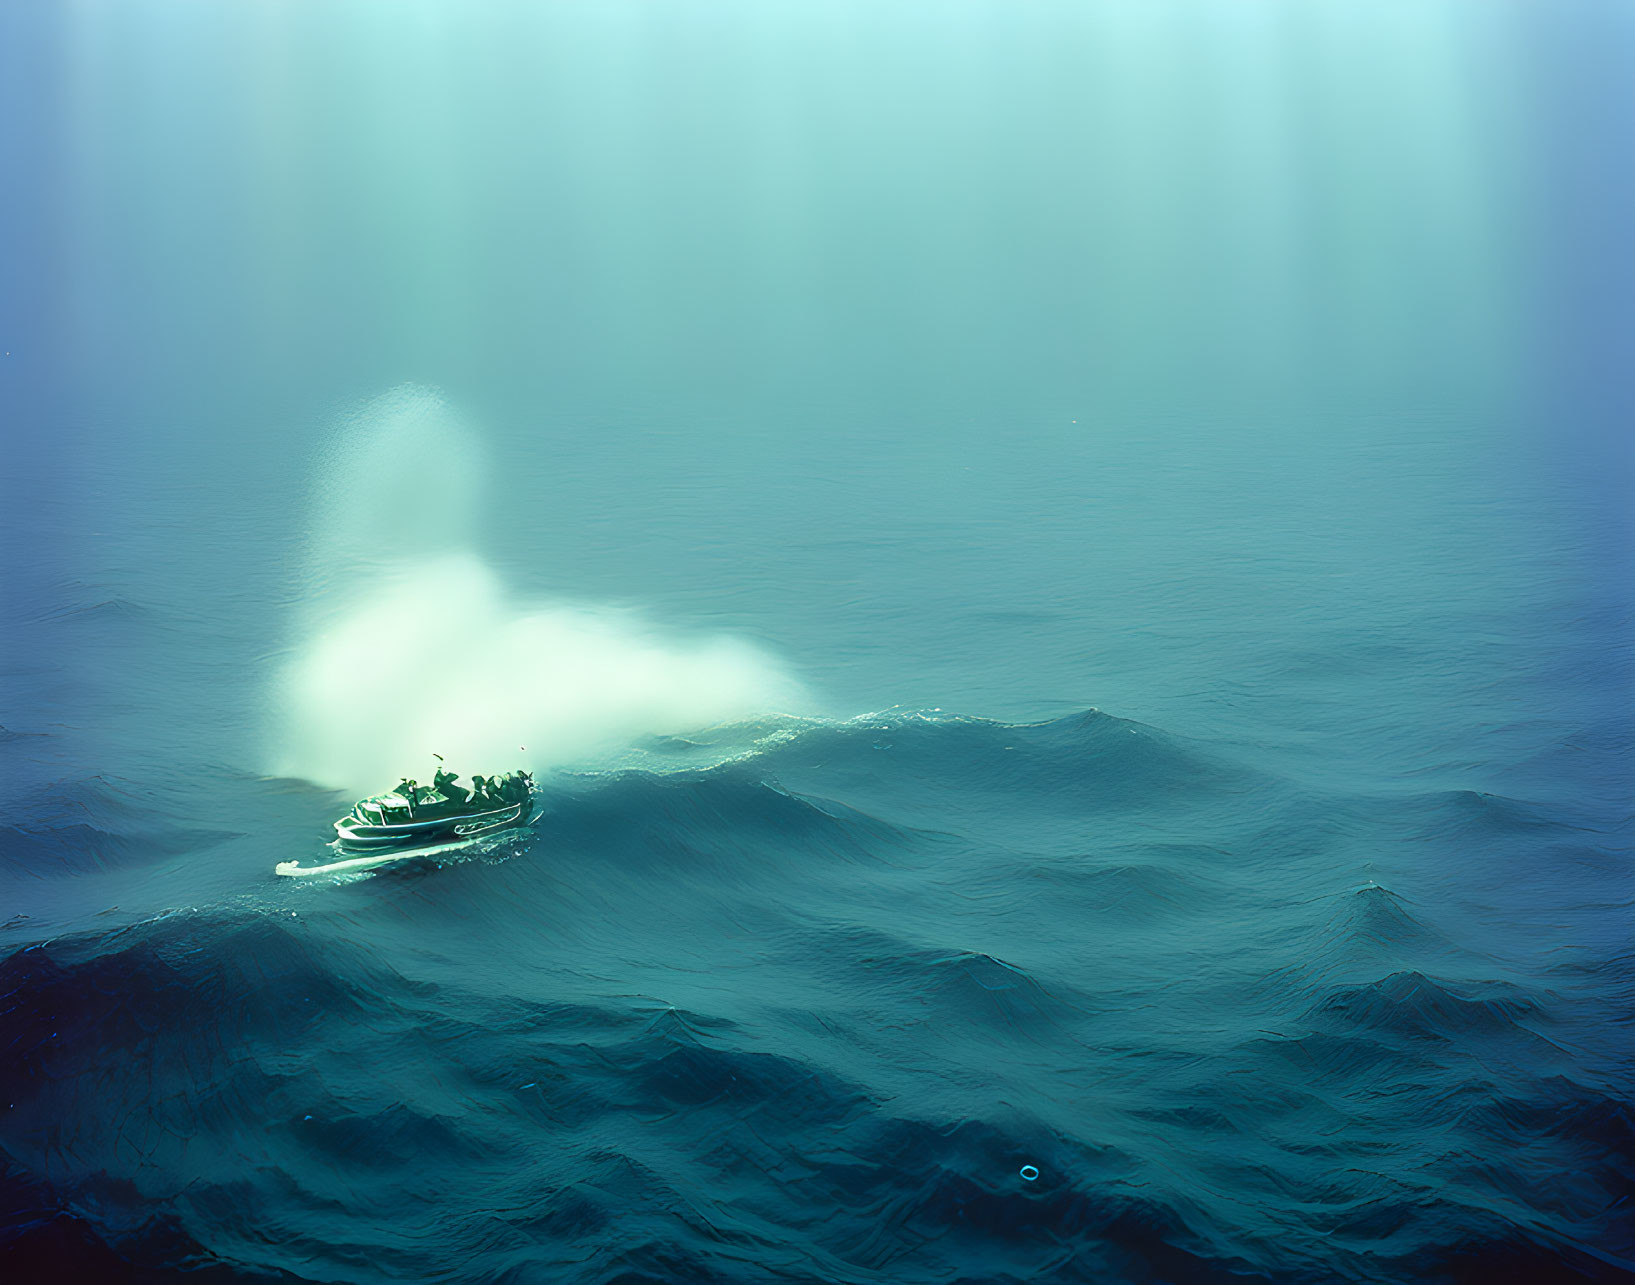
479, 789
406, 788
445, 785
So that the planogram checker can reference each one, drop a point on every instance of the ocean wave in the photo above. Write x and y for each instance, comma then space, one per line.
910, 998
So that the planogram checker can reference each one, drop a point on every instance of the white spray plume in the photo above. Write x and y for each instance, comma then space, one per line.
411, 646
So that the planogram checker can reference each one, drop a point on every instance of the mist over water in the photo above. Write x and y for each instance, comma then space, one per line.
408, 643
1196, 429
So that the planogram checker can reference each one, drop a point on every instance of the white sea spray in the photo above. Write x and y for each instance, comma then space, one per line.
408, 643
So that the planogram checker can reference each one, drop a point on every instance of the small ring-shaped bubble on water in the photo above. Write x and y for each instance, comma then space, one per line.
1029, 1173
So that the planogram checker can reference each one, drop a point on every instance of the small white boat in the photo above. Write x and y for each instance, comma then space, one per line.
414, 821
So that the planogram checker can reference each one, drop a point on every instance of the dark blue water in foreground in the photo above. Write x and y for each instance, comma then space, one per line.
806, 1016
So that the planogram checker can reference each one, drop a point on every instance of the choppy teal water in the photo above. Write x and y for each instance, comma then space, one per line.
1065, 571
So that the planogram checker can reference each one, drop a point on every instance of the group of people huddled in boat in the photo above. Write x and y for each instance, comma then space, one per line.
493, 791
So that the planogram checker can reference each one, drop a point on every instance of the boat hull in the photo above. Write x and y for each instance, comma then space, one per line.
356, 837
354, 861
